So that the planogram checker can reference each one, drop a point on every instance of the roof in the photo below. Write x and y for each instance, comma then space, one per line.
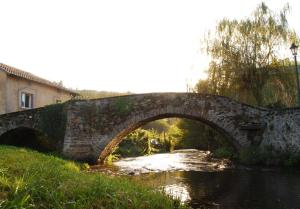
29, 76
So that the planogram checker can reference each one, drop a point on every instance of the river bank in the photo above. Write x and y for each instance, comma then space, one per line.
29, 179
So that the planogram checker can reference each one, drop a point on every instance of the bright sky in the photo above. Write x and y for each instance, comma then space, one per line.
132, 45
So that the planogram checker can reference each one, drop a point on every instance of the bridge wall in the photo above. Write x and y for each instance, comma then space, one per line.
282, 131
49, 120
96, 126
87, 130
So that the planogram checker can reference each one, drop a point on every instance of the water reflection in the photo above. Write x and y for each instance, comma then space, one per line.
178, 191
219, 188
182, 160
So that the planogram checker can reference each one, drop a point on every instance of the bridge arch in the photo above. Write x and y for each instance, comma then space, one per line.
123, 133
27, 137
96, 126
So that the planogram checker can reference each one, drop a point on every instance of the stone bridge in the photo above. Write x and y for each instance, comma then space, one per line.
87, 130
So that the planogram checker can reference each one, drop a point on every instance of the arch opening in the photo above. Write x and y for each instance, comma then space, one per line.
200, 122
27, 138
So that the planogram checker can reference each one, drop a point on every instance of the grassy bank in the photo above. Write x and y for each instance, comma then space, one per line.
29, 179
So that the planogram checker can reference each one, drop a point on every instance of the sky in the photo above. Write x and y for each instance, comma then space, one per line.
134, 45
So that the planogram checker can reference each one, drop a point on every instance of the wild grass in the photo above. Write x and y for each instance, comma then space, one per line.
29, 179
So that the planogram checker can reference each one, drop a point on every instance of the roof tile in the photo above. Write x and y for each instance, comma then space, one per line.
29, 76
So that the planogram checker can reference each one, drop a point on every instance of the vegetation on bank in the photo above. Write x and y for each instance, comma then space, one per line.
29, 179
255, 156
155, 137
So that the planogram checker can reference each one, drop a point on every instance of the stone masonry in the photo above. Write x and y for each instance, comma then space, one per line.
89, 129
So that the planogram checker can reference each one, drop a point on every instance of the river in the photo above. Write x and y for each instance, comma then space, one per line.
197, 179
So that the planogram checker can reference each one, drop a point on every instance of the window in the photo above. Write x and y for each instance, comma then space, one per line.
26, 100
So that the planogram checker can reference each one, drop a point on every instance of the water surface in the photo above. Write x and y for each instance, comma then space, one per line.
197, 179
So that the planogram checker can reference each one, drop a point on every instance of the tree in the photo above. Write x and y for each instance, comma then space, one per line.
245, 56
195, 134
159, 126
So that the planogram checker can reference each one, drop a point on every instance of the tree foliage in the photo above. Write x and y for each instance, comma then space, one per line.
166, 135
198, 135
246, 60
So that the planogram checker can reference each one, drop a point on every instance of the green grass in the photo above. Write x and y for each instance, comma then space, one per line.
29, 179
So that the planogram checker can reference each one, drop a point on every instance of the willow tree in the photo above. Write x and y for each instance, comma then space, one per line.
246, 57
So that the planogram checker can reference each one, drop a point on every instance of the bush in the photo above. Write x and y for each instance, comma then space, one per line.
267, 156
292, 160
225, 152
250, 156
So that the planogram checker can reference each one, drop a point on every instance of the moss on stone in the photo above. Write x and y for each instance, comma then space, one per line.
123, 105
53, 123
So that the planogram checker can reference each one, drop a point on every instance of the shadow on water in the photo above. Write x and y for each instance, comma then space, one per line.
244, 189
221, 188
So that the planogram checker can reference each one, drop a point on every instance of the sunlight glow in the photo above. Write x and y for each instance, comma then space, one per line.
137, 46
179, 160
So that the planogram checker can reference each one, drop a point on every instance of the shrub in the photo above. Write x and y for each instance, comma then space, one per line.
250, 156
292, 160
225, 152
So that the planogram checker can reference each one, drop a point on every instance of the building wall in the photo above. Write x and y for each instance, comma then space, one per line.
42, 94
3, 78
